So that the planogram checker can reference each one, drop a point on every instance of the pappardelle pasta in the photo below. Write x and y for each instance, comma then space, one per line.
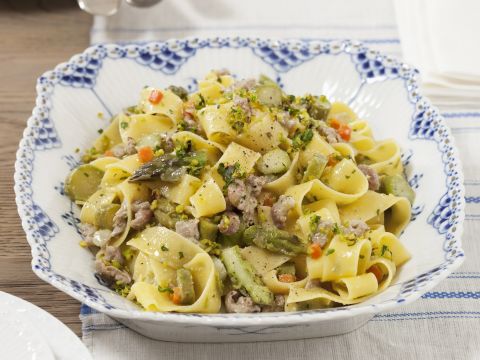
241, 198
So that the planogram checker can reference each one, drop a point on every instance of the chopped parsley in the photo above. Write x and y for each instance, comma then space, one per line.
385, 250
164, 248
201, 103
122, 289
302, 138
180, 91
230, 172
165, 289
237, 118
336, 229
314, 221
193, 161
124, 125
329, 252
185, 126
210, 246
100, 131
181, 255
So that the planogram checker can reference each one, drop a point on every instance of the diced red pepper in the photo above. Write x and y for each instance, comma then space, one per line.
332, 160
286, 278
155, 97
145, 154
315, 251
334, 123
345, 132
176, 296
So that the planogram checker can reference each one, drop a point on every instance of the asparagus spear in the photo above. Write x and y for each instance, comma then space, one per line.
185, 283
243, 275
273, 239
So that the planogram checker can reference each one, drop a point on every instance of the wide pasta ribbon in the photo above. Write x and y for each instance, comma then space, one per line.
167, 249
170, 105
345, 185
384, 157
372, 206
347, 290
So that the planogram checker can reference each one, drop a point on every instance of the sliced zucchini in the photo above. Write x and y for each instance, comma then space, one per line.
275, 161
82, 182
269, 95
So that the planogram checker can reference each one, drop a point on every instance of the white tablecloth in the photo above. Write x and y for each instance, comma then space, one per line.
444, 323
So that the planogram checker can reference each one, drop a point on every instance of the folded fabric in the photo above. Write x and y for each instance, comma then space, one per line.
441, 39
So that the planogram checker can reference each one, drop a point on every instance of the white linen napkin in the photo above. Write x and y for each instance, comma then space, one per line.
444, 323
442, 38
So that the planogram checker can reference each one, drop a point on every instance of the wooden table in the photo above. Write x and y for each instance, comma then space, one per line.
34, 37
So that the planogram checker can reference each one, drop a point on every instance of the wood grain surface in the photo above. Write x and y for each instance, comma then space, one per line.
34, 37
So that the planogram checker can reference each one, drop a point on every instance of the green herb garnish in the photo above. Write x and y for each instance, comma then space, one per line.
165, 289
329, 252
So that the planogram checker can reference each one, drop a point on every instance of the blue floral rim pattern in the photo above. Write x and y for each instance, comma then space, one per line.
81, 71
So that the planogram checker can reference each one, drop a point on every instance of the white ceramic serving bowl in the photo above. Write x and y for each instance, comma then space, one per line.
106, 78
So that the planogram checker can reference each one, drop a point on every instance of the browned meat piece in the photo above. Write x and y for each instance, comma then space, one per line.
356, 227
190, 122
244, 105
236, 302
120, 221
372, 177
287, 122
236, 192
167, 143
320, 239
113, 253
322, 233
256, 184
110, 274
188, 229
142, 214
243, 195
249, 216
330, 134
280, 210
130, 148
278, 305
87, 231
246, 84
121, 150
118, 151
230, 223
